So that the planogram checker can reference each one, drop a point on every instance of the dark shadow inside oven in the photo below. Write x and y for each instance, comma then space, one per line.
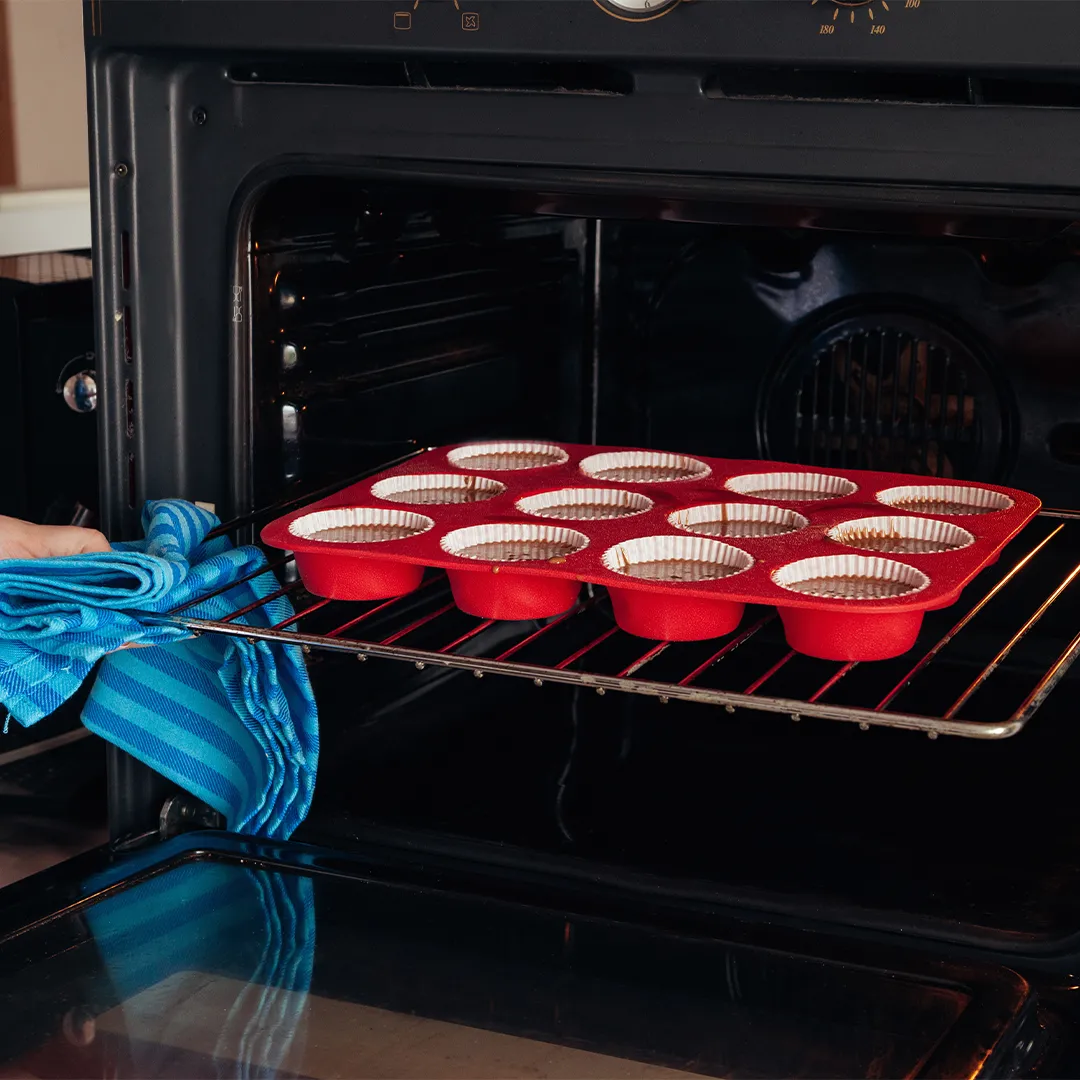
389, 319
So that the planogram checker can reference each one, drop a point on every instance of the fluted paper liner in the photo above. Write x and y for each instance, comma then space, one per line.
585, 504
944, 499
792, 486
901, 535
676, 559
360, 525
851, 577
507, 456
437, 489
737, 520
514, 542
643, 467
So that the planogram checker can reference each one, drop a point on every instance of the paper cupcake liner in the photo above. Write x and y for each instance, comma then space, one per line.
585, 504
901, 535
516, 542
737, 520
360, 525
507, 456
676, 559
944, 499
850, 577
643, 467
791, 486
437, 489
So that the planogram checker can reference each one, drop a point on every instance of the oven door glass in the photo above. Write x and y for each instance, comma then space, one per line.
212, 956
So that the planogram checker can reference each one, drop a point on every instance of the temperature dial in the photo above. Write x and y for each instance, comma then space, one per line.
867, 15
636, 10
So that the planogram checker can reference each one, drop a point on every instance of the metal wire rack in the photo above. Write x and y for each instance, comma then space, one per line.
1013, 614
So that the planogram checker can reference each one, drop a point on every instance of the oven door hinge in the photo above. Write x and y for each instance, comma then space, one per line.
183, 812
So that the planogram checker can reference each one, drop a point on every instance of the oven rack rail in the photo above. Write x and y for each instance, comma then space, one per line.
341, 627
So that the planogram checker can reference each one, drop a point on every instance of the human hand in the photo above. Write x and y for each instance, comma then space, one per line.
21, 540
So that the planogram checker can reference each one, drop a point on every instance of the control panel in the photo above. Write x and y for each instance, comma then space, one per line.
868, 16
940, 34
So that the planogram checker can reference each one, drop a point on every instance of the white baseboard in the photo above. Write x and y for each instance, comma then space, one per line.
36, 221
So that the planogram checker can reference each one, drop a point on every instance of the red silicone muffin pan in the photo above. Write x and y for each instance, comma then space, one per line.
851, 559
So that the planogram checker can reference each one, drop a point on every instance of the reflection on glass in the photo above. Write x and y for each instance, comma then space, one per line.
213, 969
155, 949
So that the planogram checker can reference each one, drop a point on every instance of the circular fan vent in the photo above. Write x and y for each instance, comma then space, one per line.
886, 391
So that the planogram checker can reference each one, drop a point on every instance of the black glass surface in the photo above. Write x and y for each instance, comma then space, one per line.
218, 967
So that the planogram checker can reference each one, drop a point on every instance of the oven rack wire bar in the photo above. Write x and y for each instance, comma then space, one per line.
266, 513
347, 634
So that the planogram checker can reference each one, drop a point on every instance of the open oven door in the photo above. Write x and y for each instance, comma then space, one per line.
211, 955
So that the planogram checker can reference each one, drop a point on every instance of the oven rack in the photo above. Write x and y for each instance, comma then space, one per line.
425, 629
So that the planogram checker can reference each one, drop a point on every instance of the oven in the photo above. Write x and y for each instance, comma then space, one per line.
330, 235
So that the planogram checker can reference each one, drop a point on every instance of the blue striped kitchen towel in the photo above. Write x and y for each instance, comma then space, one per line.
230, 720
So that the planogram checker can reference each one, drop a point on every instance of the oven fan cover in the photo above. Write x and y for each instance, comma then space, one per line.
890, 391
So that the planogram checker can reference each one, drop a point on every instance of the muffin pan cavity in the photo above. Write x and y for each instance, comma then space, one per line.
735, 520
792, 486
437, 489
901, 535
513, 543
585, 504
850, 577
359, 525
644, 467
507, 456
945, 499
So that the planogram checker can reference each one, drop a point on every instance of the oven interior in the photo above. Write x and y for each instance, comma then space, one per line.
385, 319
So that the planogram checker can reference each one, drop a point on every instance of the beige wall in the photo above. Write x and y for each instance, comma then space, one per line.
48, 93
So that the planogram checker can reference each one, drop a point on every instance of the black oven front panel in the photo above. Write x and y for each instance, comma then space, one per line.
604, 109
947, 34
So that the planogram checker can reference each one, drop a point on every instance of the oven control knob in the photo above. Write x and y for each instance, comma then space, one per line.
637, 10
80, 392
